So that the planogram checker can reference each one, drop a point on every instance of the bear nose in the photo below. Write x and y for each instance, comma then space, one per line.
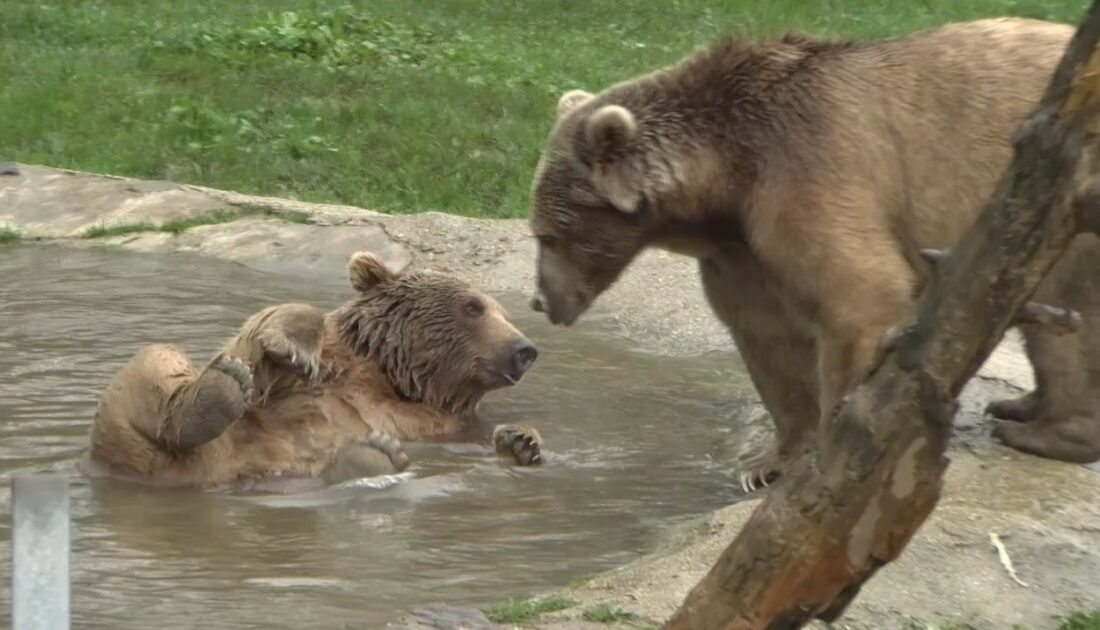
523, 355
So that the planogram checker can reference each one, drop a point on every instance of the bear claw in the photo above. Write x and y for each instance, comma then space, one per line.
753, 480
305, 367
756, 460
749, 480
237, 370
522, 444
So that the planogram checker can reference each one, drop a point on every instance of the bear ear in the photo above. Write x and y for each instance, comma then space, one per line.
610, 131
367, 271
571, 100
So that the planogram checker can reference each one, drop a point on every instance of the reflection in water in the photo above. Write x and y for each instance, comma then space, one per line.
629, 445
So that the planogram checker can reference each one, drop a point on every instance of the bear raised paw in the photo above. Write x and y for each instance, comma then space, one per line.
299, 394
522, 444
282, 345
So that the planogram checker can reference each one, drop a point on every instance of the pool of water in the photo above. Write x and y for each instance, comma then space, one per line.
634, 443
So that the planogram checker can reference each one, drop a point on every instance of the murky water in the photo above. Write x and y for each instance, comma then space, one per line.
633, 444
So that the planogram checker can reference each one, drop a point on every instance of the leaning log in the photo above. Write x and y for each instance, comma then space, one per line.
1056, 320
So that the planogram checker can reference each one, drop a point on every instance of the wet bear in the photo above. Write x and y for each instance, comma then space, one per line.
319, 397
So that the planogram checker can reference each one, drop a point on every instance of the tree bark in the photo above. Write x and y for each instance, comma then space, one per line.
852, 504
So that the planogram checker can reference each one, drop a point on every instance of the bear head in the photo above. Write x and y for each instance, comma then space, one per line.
438, 340
622, 170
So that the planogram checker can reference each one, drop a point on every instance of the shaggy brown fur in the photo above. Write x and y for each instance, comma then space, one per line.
434, 360
298, 394
805, 176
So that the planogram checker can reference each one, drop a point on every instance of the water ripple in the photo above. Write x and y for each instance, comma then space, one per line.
627, 440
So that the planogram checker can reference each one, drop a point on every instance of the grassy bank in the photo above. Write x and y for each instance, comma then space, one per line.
179, 226
398, 105
8, 235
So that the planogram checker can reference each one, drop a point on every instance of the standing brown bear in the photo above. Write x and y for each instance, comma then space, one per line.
806, 176
314, 399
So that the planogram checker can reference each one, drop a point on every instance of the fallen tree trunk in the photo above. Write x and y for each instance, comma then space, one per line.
849, 507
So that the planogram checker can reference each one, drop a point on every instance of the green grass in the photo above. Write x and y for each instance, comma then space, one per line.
178, 226
606, 614
524, 611
397, 105
1080, 621
105, 231
8, 235
579, 581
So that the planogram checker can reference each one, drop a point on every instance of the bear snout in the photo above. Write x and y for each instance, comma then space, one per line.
524, 354
512, 362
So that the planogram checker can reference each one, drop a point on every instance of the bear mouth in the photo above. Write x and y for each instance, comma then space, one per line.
502, 378
566, 320
561, 312
566, 314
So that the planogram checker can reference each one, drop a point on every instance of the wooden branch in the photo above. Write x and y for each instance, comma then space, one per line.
842, 511
1059, 321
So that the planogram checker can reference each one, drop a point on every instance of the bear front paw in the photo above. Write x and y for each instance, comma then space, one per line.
391, 446
306, 366
756, 459
522, 443
753, 479
236, 369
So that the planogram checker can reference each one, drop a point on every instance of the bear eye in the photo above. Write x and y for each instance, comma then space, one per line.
474, 308
547, 241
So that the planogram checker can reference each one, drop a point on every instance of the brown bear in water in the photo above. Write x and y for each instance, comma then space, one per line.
806, 176
304, 396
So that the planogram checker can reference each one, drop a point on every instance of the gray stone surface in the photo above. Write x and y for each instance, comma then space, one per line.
46, 202
1046, 513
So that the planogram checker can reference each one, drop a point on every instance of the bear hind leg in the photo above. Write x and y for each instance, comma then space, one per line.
1066, 426
1073, 439
1066, 421
1022, 409
1035, 403
204, 411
